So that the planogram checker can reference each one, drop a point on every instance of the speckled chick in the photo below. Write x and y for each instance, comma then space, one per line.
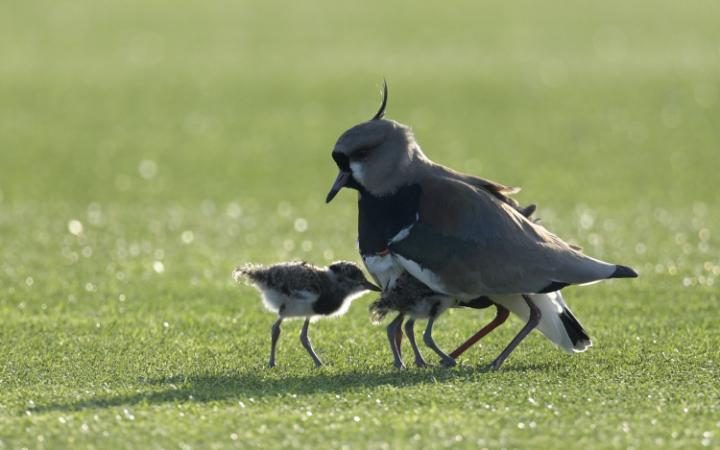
300, 289
411, 297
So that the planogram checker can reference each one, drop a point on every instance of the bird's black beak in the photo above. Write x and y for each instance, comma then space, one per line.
342, 180
372, 287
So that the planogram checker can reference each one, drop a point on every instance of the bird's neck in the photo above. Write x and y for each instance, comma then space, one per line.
381, 218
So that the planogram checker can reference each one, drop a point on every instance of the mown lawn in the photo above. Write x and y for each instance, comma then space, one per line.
147, 148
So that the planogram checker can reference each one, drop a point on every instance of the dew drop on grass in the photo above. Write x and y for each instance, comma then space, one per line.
29, 281
147, 169
158, 267
75, 227
586, 220
187, 237
300, 225
233, 210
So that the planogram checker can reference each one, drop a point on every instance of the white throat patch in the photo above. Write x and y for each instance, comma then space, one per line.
357, 171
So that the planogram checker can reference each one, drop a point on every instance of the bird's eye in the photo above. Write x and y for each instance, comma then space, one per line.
361, 154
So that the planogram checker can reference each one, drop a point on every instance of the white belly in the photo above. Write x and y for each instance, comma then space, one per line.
429, 278
384, 269
300, 304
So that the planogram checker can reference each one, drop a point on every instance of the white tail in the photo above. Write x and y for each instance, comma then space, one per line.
558, 323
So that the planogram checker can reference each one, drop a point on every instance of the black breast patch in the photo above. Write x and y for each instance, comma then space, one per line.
327, 303
381, 218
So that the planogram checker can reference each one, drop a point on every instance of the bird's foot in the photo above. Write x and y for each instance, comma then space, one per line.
399, 365
493, 366
318, 364
271, 364
448, 362
419, 362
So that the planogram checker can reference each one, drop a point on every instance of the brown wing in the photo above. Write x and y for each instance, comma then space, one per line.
477, 244
497, 190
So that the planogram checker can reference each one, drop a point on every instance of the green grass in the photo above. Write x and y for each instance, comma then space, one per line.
606, 113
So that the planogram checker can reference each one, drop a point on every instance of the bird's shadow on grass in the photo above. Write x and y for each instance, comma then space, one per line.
248, 386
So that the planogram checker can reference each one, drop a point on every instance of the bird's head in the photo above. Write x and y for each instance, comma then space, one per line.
374, 155
349, 276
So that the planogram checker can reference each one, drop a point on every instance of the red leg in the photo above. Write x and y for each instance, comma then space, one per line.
500, 317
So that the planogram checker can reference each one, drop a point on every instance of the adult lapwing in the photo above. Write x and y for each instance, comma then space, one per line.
461, 235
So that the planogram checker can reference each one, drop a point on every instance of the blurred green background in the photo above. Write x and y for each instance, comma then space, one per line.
146, 148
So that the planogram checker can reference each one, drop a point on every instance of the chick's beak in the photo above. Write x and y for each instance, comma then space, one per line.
372, 287
341, 180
